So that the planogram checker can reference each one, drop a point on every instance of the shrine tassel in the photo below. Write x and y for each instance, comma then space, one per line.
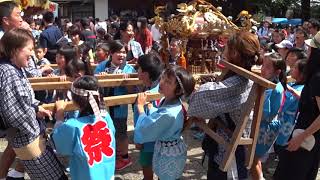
182, 61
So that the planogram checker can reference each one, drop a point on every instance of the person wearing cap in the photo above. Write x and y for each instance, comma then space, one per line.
276, 38
313, 43
300, 160
300, 37
284, 47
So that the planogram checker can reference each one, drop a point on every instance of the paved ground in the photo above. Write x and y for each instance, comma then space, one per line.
194, 169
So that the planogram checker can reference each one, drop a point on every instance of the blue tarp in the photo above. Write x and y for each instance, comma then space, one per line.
279, 20
295, 21
286, 21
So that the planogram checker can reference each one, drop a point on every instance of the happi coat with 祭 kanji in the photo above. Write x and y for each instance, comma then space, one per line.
164, 126
90, 145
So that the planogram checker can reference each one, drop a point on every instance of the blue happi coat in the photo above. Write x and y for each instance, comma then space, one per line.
164, 126
270, 125
147, 147
287, 115
90, 145
121, 111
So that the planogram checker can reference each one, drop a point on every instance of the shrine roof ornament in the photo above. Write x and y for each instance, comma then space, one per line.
44, 4
198, 18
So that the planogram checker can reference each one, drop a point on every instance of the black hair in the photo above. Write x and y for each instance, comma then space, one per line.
279, 64
85, 23
315, 23
298, 52
48, 17
68, 52
74, 30
104, 47
101, 31
66, 20
6, 9
301, 65
144, 22
187, 80
115, 25
114, 18
115, 46
83, 55
151, 64
301, 31
87, 83
38, 46
75, 66
30, 20
282, 35
123, 27
313, 64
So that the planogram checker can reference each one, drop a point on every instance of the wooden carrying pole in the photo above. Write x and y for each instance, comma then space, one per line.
102, 83
57, 78
109, 101
55, 66
258, 72
106, 76
255, 101
93, 66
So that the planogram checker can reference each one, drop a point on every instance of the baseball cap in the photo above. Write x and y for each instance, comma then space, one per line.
314, 42
285, 44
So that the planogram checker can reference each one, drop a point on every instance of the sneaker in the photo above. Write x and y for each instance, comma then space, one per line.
123, 163
14, 175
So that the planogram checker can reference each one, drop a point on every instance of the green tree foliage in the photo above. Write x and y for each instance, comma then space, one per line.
305, 8
276, 8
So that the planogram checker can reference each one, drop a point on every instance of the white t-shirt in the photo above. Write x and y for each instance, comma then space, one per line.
101, 24
156, 35
1, 33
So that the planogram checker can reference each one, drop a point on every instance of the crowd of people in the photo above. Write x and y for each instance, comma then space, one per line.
94, 138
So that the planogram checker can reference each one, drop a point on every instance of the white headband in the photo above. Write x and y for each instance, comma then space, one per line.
180, 84
92, 101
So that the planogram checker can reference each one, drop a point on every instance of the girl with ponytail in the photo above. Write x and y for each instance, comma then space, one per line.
273, 69
165, 124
